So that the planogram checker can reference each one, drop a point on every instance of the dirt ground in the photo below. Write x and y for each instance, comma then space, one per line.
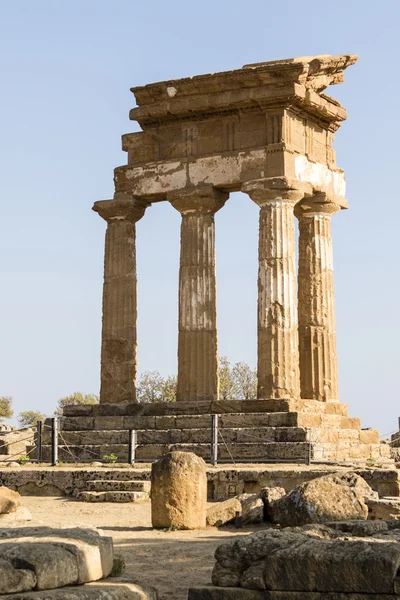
170, 561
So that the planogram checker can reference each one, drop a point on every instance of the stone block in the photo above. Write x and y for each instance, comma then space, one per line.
309, 560
179, 491
383, 508
369, 436
252, 508
109, 422
222, 513
86, 555
329, 498
77, 423
76, 410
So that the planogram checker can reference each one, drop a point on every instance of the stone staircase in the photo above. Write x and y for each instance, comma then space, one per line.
114, 490
296, 431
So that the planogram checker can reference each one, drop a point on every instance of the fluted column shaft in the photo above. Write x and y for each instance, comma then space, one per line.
119, 339
278, 355
316, 302
197, 330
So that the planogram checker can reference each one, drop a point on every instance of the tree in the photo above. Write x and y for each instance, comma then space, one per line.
152, 387
74, 399
238, 382
29, 418
169, 388
225, 379
6, 411
244, 381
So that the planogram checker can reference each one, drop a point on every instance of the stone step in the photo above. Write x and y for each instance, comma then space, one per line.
259, 451
295, 451
90, 496
230, 435
116, 485
206, 408
228, 420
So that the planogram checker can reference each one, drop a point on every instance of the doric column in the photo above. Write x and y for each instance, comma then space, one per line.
316, 302
197, 343
118, 343
278, 355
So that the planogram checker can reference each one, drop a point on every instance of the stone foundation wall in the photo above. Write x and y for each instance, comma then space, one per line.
223, 482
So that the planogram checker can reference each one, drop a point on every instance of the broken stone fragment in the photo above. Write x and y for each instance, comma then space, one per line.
9, 500
334, 497
252, 508
269, 496
222, 513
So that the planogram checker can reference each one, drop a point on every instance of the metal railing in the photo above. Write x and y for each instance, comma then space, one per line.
57, 440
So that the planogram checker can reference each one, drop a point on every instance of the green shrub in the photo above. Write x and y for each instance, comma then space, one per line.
110, 458
118, 566
23, 459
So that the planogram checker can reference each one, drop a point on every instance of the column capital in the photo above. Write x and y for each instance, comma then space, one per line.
123, 207
317, 205
203, 199
272, 189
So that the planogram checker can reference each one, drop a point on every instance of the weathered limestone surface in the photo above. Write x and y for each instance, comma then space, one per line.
264, 120
224, 480
345, 560
383, 508
197, 343
119, 340
334, 497
222, 513
252, 508
317, 330
179, 491
278, 354
54, 557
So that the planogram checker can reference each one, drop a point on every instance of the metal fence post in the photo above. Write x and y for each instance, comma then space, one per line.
132, 446
214, 439
54, 441
308, 451
39, 436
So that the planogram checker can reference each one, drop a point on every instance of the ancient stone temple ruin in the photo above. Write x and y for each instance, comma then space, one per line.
267, 130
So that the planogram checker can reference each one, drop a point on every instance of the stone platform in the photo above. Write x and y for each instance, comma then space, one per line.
295, 431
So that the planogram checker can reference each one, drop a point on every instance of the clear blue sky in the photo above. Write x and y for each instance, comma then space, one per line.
66, 68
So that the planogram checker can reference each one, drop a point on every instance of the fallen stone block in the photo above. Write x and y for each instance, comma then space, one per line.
252, 508
312, 559
319, 501
58, 557
269, 496
222, 513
